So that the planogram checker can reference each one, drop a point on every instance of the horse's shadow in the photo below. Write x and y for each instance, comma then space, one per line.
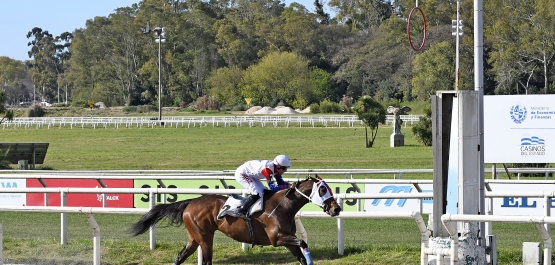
279, 255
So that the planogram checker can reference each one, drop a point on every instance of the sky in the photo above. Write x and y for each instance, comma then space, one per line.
17, 18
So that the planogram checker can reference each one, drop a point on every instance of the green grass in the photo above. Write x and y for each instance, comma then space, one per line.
218, 147
34, 237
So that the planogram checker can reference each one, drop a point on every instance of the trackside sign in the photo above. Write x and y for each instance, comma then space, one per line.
143, 200
13, 199
519, 129
508, 206
397, 205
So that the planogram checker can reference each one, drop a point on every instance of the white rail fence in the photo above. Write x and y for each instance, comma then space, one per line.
220, 175
196, 121
89, 211
347, 173
540, 221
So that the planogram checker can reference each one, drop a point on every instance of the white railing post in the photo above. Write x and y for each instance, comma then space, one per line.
244, 246
152, 232
547, 212
199, 257
63, 219
1, 240
96, 238
340, 231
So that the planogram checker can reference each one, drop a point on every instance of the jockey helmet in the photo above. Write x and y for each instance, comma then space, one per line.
282, 161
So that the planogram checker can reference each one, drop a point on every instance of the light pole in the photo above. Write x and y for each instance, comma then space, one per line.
457, 26
160, 35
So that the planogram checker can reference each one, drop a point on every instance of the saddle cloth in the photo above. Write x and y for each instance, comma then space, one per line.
232, 203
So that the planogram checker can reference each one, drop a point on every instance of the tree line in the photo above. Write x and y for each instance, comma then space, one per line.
223, 51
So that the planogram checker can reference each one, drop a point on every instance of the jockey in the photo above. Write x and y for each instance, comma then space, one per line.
251, 172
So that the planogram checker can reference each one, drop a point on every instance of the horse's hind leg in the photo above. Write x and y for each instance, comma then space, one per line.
189, 249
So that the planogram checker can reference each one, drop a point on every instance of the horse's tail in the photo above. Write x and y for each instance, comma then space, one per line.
173, 212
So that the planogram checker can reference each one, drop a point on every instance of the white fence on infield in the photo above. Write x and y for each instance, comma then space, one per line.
226, 175
196, 121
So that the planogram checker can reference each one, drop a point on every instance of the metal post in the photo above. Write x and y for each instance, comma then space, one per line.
1, 239
63, 218
159, 80
96, 238
152, 233
479, 86
340, 231
457, 34
199, 257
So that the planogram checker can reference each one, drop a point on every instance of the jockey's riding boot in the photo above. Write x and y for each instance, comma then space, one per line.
247, 203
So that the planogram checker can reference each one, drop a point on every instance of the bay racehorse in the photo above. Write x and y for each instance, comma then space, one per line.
274, 225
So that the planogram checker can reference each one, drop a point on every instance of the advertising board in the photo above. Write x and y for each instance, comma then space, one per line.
81, 199
398, 205
519, 129
12, 199
521, 206
142, 200
508, 206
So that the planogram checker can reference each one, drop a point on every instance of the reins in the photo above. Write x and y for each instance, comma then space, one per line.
321, 204
311, 194
270, 215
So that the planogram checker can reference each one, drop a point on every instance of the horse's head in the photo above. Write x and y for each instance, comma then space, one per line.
318, 192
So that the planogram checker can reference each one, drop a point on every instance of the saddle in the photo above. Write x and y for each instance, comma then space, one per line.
232, 203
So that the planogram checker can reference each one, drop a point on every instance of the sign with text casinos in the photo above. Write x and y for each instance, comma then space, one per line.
519, 129
142, 200
81, 199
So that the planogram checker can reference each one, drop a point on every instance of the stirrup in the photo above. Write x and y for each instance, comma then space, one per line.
240, 214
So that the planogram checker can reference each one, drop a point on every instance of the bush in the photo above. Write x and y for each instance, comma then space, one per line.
314, 108
129, 109
327, 106
3, 163
145, 108
207, 103
529, 165
346, 104
35, 111
80, 103
239, 107
423, 129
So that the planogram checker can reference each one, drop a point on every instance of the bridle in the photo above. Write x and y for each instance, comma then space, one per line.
315, 197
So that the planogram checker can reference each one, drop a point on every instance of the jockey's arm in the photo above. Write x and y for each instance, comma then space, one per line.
279, 184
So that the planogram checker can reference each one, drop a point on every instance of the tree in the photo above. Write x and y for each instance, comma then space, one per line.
372, 114
12, 80
49, 54
223, 84
423, 129
7, 114
362, 15
279, 76
371, 67
433, 70
523, 42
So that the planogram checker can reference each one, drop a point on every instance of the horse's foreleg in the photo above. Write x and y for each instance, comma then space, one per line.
295, 246
189, 249
296, 251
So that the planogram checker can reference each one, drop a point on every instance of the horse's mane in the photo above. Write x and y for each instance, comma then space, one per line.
299, 182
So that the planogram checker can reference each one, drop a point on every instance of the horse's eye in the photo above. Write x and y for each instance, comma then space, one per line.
322, 191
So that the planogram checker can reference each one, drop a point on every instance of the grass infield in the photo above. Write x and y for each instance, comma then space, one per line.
33, 238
